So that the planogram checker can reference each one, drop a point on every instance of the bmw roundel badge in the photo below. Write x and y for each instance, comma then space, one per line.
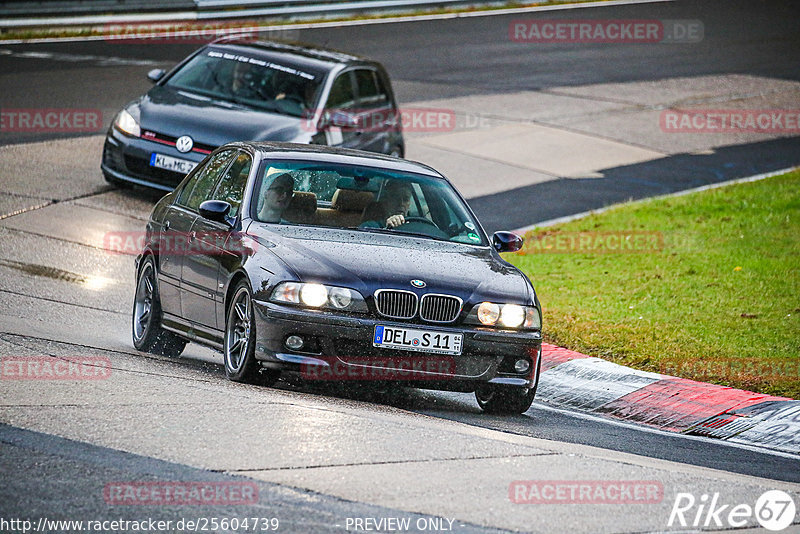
418, 283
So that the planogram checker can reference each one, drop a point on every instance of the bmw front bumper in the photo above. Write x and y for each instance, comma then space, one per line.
339, 347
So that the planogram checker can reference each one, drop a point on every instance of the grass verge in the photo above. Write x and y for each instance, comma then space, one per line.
706, 286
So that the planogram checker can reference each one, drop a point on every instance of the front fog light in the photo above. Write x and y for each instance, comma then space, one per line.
314, 295
522, 366
294, 342
488, 313
512, 315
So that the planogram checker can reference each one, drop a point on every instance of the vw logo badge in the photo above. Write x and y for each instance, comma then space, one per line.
184, 143
418, 283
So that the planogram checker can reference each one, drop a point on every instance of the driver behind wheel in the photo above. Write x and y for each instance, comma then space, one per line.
392, 209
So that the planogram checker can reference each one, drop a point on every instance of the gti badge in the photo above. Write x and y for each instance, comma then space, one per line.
418, 283
184, 143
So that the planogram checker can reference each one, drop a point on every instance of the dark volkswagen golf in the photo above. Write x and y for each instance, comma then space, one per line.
337, 264
252, 91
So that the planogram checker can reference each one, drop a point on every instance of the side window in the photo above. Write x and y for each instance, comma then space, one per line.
231, 187
341, 96
199, 188
370, 91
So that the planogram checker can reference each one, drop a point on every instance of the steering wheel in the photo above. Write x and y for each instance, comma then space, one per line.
420, 220
412, 222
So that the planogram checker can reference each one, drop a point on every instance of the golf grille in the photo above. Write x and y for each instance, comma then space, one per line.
439, 308
396, 304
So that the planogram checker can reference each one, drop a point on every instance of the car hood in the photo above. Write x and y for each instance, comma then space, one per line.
211, 122
369, 261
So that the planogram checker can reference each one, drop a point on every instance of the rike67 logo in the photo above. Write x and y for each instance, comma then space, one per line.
775, 510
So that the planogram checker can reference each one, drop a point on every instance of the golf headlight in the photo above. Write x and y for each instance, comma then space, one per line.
319, 296
127, 124
505, 316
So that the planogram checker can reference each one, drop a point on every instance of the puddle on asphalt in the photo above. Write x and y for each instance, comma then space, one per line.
90, 282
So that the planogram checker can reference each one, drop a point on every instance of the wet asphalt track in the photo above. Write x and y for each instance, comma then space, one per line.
438, 59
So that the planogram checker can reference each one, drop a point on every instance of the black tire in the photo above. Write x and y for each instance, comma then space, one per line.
509, 400
148, 335
504, 400
239, 346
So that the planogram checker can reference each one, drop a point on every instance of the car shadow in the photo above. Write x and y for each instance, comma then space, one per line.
394, 395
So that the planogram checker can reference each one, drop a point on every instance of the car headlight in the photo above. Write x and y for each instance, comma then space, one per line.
314, 295
319, 296
488, 313
127, 124
505, 316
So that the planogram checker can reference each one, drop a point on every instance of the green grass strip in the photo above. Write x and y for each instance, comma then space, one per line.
703, 286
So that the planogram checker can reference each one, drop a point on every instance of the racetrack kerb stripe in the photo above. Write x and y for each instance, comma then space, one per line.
553, 355
668, 403
677, 403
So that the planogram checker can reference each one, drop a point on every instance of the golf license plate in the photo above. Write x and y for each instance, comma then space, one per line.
183, 166
392, 337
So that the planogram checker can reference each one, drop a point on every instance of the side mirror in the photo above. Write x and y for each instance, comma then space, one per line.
215, 210
155, 75
342, 119
506, 242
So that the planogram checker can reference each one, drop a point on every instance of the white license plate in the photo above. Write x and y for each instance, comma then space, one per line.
392, 337
183, 166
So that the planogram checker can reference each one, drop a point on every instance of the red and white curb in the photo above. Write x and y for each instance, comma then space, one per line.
573, 380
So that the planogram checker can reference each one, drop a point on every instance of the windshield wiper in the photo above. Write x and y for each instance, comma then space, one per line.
395, 231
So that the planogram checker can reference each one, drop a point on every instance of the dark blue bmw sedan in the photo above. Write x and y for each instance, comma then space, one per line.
337, 265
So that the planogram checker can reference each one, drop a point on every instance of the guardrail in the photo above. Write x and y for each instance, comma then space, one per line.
30, 8
28, 13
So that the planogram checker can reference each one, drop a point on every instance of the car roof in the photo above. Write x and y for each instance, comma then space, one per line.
296, 53
337, 155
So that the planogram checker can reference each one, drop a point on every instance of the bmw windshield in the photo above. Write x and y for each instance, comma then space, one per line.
363, 198
249, 81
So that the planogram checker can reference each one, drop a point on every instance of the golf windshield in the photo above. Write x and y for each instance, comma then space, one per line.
250, 81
